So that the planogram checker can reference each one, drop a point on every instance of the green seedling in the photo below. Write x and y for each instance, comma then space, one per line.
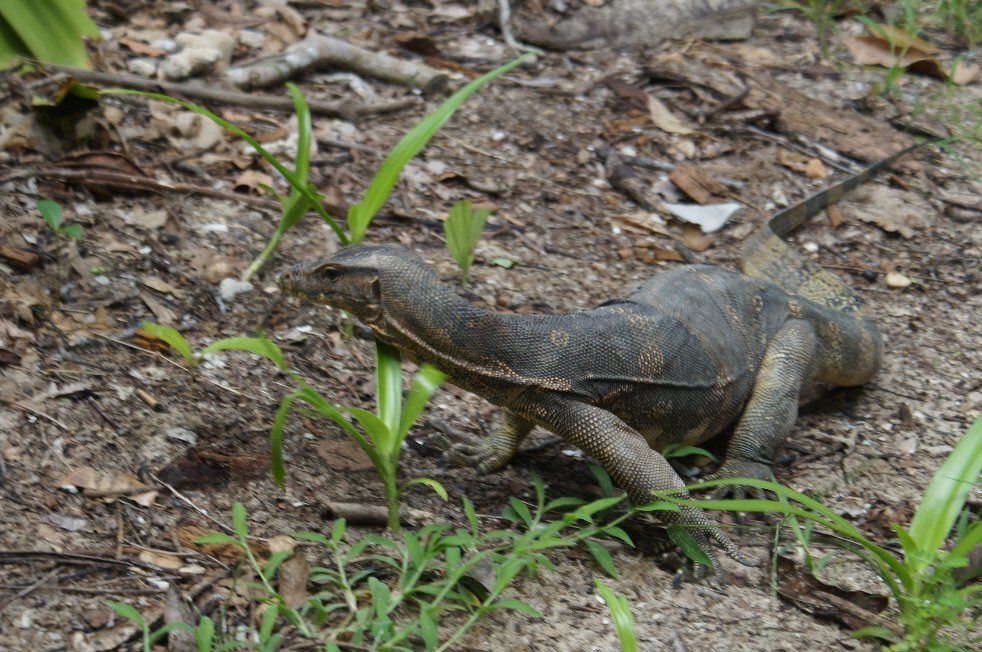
381, 433
463, 229
361, 214
394, 593
177, 342
620, 613
934, 604
304, 196
54, 217
149, 638
50, 32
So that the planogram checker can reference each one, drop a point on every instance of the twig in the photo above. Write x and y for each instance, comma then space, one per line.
318, 50
504, 23
168, 360
177, 494
17, 556
345, 109
36, 413
30, 588
798, 148
90, 591
133, 182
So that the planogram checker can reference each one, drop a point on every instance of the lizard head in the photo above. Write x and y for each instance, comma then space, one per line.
350, 279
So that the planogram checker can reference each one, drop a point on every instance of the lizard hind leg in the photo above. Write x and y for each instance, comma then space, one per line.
789, 365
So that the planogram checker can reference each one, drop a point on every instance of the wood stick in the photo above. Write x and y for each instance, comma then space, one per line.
344, 109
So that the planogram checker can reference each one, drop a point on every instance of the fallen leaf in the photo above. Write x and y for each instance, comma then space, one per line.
252, 180
641, 222
104, 483
292, 576
907, 52
163, 314
694, 239
161, 559
834, 215
160, 285
709, 218
811, 167
139, 47
664, 119
696, 183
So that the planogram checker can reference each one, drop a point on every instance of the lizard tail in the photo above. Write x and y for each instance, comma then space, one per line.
768, 257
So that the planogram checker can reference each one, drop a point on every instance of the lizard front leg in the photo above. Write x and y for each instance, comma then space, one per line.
789, 364
629, 460
490, 454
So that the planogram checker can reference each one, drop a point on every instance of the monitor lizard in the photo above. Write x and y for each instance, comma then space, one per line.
690, 351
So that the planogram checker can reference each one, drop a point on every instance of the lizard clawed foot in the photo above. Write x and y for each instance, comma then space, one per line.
464, 450
740, 469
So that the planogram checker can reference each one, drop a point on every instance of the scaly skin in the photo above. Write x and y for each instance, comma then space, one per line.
677, 360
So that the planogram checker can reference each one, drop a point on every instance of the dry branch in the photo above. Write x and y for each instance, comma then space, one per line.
344, 109
321, 51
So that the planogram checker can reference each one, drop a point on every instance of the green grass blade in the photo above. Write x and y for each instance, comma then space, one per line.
425, 383
945, 495
435, 485
297, 183
463, 229
601, 556
262, 346
129, 612
388, 385
276, 438
49, 31
621, 615
381, 436
361, 214
173, 337
239, 521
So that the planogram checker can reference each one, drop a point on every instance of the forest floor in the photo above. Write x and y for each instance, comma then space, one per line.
533, 145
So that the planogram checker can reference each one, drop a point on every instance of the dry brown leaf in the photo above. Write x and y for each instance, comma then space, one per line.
160, 285
145, 499
102, 483
893, 210
812, 168
163, 314
140, 47
834, 215
815, 169
292, 576
251, 180
664, 119
694, 239
874, 50
160, 559
696, 183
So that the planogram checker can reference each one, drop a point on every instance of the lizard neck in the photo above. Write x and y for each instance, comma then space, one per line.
477, 348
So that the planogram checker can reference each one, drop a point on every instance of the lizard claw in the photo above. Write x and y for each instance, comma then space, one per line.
463, 450
740, 469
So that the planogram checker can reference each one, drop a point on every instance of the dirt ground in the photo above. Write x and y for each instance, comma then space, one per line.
533, 145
